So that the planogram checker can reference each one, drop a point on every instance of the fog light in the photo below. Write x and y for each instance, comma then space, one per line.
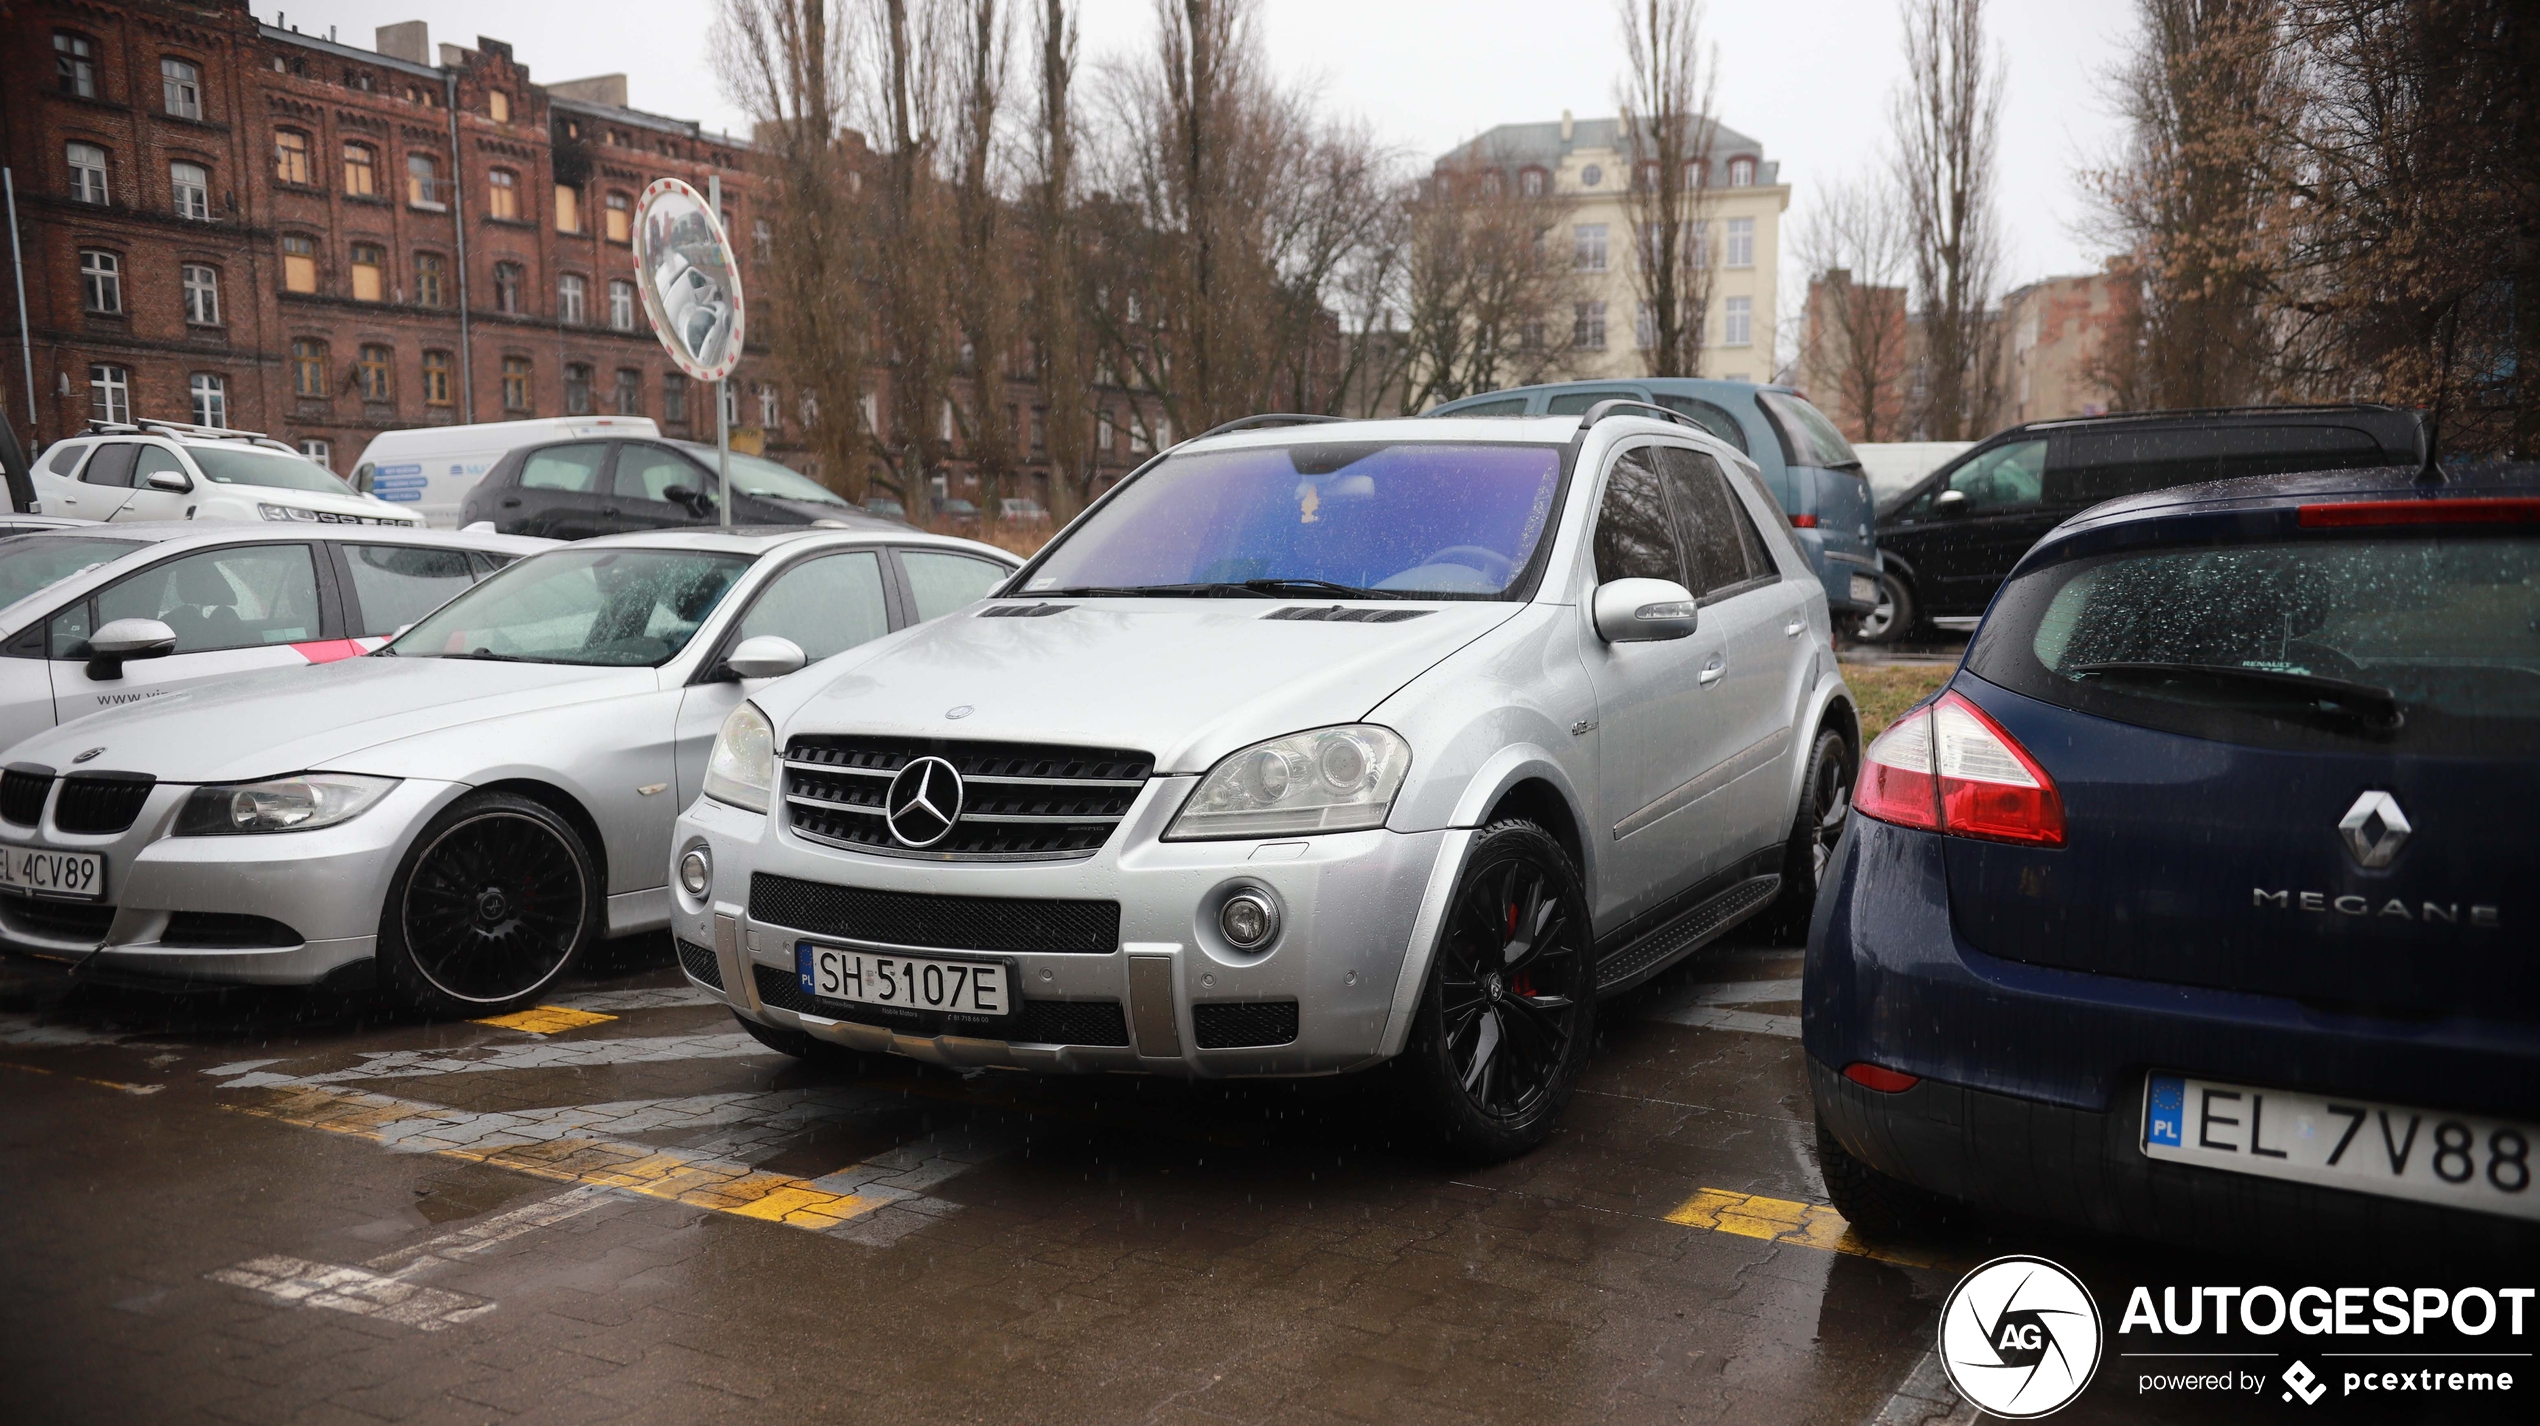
1248, 920
696, 872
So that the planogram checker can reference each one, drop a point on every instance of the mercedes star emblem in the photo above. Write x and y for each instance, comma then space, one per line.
924, 802
2375, 829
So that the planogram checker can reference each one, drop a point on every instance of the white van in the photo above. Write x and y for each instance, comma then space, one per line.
431, 467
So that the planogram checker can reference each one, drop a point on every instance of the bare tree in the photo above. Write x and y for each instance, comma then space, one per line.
1062, 361
1945, 122
1853, 332
903, 89
1485, 299
1668, 121
788, 64
981, 295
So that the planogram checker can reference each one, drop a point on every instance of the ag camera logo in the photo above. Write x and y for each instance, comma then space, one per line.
2019, 1337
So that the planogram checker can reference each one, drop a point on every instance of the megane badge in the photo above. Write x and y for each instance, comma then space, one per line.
83, 757
2375, 829
924, 802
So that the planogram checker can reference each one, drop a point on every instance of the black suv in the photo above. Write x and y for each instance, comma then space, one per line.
1946, 544
572, 490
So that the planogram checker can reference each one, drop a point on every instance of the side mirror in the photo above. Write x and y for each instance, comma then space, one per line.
767, 656
175, 482
123, 639
1635, 611
1949, 502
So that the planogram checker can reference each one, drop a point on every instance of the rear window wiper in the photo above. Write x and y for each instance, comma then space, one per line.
2374, 707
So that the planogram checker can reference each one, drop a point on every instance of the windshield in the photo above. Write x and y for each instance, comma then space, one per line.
32, 563
619, 607
1398, 517
249, 465
752, 475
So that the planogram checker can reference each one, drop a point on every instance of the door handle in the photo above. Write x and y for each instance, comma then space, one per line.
511, 503
1712, 671
1795, 628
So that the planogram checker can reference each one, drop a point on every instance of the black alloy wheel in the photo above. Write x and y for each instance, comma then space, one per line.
1825, 809
494, 900
1510, 1005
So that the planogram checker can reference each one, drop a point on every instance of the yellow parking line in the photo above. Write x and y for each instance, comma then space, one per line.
1779, 1220
545, 1020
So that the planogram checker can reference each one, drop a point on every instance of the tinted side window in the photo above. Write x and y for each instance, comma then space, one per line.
826, 605
1513, 406
575, 468
1635, 537
1716, 532
64, 459
397, 584
2102, 465
1712, 418
944, 582
648, 472
154, 459
2003, 478
222, 599
112, 465
1576, 403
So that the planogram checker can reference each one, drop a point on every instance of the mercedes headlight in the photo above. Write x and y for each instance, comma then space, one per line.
1329, 780
284, 804
742, 769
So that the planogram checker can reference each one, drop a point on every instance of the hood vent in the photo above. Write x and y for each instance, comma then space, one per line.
1024, 611
1338, 614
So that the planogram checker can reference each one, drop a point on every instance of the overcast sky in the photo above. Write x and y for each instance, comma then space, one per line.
1811, 79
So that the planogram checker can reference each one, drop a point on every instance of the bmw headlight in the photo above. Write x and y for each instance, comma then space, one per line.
742, 769
284, 804
1329, 780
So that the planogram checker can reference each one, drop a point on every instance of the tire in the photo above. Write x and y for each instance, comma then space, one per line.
1891, 621
1871, 1201
493, 901
1825, 807
1509, 1009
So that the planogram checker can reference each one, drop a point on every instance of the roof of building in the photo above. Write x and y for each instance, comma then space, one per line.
1542, 143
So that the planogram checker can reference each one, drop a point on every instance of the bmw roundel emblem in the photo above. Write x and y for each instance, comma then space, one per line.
83, 757
924, 802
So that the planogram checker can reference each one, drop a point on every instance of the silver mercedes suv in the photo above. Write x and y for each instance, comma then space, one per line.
1310, 746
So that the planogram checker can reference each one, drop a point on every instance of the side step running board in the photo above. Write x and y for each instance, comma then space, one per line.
1628, 966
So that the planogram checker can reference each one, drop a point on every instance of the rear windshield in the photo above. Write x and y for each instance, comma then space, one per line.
249, 465
2431, 643
1813, 438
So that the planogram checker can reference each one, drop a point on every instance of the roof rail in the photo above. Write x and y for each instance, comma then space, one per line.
173, 428
1265, 420
1622, 407
2175, 413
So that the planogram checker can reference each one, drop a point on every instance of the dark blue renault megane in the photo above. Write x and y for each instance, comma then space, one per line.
2204, 902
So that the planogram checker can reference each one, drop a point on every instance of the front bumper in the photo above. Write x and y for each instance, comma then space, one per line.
1350, 904
323, 887
2032, 1076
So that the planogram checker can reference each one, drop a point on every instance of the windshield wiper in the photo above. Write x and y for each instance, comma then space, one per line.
489, 656
1316, 586
2374, 707
1219, 589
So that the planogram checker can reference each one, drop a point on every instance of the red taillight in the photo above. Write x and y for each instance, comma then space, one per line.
1880, 1078
1803, 522
1949, 768
2420, 512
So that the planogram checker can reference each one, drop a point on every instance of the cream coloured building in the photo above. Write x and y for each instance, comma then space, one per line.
1588, 162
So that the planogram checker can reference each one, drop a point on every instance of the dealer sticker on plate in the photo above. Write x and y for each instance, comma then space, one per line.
2363, 1145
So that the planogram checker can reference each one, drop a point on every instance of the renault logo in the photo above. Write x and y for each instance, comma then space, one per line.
924, 803
2375, 829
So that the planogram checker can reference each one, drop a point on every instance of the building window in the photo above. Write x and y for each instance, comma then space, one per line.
100, 281
436, 378
299, 263
630, 392
621, 218
367, 285
502, 195
75, 72
428, 285
202, 295
291, 157
498, 107
622, 305
1699, 245
1645, 326
762, 241
308, 368
1588, 247
361, 171
1741, 242
570, 290
423, 181
192, 188
1531, 183
370, 372
110, 393
771, 415
515, 383
577, 389
1587, 326
322, 452
674, 398
507, 288
1741, 173
181, 88
211, 399
568, 209
88, 172
1737, 322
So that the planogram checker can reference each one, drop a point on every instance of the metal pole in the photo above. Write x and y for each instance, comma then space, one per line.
26, 343
723, 388
458, 222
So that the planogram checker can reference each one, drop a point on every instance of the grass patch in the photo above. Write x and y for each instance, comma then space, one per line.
1885, 690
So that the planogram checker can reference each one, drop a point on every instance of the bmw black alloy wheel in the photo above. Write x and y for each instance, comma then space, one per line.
1512, 982
494, 907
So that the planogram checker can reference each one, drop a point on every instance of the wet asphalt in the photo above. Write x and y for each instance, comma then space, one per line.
273, 1207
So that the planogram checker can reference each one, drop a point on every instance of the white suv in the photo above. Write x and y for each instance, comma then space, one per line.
1302, 750
165, 471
